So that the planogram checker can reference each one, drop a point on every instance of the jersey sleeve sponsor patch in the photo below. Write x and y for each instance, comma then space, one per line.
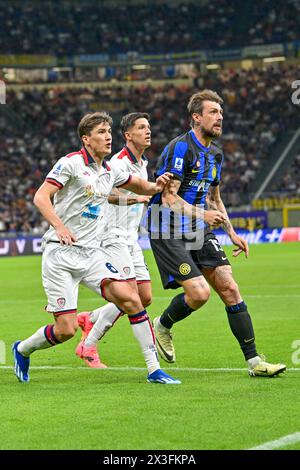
176, 159
60, 173
178, 163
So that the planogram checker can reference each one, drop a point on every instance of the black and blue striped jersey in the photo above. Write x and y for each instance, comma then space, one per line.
197, 167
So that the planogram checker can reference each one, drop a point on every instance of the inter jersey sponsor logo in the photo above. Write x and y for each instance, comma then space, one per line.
200, 185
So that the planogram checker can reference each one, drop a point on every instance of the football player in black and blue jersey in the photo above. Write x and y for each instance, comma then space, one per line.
187, 252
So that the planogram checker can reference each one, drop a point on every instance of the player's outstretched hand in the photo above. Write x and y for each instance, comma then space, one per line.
65, 236
162, 180
242, 245
214, 218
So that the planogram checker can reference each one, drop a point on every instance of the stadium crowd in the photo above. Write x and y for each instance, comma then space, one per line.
82, 27
290, 181
42, 128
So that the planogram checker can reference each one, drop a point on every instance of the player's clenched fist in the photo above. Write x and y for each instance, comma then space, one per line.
162, 180
214, 218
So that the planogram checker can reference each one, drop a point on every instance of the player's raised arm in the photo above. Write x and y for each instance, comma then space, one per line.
42, 201
214, 201
117, 198
171, 199
140, 186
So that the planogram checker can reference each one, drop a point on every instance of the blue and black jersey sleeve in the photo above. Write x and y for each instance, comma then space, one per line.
218, 166
174, 159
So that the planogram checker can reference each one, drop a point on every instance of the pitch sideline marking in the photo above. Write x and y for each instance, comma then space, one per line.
128, 369
277, 443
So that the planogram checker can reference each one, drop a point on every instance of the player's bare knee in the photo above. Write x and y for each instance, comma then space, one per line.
146, 300
125, 296
65, 334
63, 337
145, 293
230, 291
201, 296
65, 330
198, 297
132, 304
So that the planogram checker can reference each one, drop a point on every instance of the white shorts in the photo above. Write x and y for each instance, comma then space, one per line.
128, 260
65, 267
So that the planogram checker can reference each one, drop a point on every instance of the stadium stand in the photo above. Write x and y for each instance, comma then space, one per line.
257, 114
82, 27
39, 123
290, 182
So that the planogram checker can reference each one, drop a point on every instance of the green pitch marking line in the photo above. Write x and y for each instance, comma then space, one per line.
277, 443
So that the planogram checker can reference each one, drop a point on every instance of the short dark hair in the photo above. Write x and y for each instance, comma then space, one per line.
195, 104
128, 121
91, 120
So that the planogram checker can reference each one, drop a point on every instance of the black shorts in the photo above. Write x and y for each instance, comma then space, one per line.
176, 263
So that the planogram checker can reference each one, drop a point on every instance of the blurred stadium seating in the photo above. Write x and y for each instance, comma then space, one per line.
38, 123
79, 27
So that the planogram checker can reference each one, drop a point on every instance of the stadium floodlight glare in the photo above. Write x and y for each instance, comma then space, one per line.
212, 66
274, 59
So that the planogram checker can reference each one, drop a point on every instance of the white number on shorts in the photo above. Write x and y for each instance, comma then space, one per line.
216, 245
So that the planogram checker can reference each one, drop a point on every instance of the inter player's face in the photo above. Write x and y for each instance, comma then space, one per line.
139, 134
100, 139
211, 120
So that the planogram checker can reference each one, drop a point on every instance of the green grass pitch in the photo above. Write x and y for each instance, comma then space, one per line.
69, 406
